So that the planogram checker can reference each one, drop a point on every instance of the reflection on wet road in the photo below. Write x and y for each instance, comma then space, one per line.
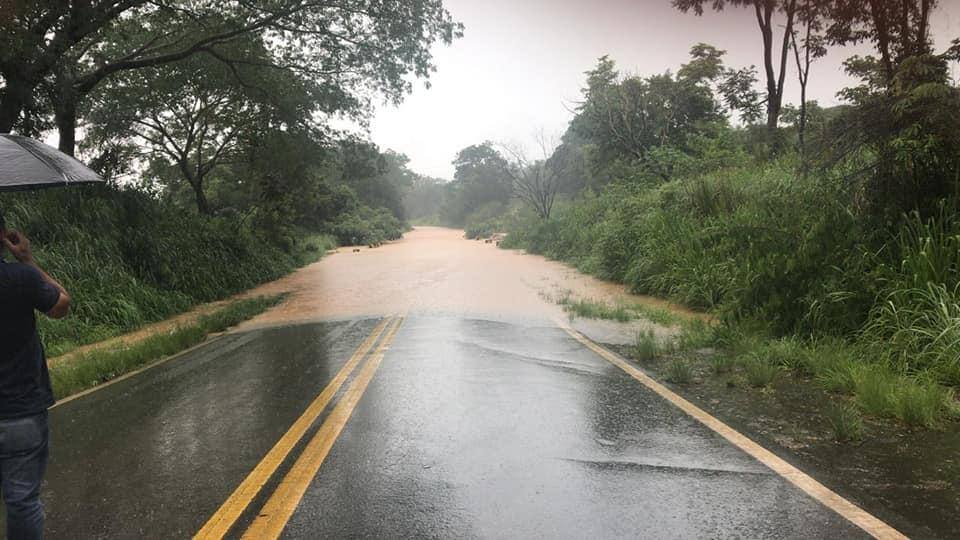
466, 428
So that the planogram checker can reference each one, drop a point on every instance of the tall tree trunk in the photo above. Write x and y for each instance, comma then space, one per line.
923, 42
882, 28
803, 76
784, 51
196, 182
802, 122
13, 99
764, 12
66, 119
203, 206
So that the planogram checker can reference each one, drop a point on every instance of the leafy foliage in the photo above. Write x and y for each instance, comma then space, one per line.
129, 260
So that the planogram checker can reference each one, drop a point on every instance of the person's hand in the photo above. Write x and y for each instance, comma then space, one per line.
19, 246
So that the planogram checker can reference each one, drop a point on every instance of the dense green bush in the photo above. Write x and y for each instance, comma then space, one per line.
485, 221
367, 226
129, 259
759, 242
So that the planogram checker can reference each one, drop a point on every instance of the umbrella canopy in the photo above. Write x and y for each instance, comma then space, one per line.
29, 164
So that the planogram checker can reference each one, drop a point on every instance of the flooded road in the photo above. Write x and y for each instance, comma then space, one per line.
421, 389
434, 270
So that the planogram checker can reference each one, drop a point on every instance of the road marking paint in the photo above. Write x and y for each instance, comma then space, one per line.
853, 513
275, 514
223, 519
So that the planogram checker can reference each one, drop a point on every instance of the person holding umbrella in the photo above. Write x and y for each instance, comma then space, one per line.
25, 391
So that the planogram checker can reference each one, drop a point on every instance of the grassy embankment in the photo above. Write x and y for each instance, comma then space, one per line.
799, 281
129, 259
99, 366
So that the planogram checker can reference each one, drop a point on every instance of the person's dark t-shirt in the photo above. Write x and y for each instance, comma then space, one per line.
24, 380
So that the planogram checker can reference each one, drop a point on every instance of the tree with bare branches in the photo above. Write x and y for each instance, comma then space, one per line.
535, 182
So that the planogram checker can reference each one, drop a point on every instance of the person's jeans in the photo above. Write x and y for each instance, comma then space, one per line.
23, 461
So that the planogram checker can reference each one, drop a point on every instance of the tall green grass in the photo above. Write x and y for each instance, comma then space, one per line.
755, 241
915, 327
763, 243
846, 423
129, 259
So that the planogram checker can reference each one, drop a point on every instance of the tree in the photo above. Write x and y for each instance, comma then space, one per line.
368, 172
898, 29
901, 132
483, 173
629, 117
774, 72
810, 14
67, 49
278, 177
733, 87
535, 182
481, 183
188, 116
424, 198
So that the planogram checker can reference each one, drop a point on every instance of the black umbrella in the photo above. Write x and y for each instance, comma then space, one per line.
29, 164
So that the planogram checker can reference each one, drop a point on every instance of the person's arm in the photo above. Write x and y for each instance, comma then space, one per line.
19, 247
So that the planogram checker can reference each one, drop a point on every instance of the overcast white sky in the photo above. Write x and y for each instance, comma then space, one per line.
519, 67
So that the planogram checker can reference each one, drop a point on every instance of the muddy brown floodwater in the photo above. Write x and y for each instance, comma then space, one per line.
435, 270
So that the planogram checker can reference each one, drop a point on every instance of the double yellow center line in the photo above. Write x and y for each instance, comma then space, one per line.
271, 520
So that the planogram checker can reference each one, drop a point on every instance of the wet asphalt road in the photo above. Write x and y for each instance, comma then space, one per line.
469, 428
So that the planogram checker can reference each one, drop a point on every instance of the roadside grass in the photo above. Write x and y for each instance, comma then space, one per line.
721, 364
835, 365
679, 371
99, 366
876, 392
846, 422
647, 348
918, 400
620, 311
696, 334
924, 403
315, 246
839, 377
109, 302
592, 309
759, 372
661, 316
